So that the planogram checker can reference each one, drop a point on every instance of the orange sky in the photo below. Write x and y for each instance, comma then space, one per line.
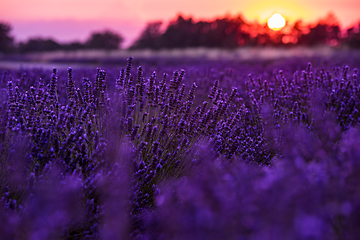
67, 20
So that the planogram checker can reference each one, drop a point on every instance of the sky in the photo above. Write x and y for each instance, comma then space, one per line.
69, 20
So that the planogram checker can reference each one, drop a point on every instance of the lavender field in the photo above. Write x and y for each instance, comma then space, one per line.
182, 149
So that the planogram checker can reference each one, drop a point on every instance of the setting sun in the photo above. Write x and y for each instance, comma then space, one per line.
276, 21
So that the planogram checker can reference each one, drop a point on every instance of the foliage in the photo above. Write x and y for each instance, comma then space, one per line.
353, 37
6, 41
104, 40
231, 32
149, 37
39, 45
107, 40
227, 32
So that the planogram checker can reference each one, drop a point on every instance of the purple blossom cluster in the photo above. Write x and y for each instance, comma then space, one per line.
180, 156
292, 199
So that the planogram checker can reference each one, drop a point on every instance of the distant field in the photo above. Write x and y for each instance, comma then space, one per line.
96, 57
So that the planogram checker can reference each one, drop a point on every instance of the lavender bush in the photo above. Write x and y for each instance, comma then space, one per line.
208, 153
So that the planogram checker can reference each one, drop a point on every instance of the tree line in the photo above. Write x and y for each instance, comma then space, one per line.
106, 39
233, 32
226, 32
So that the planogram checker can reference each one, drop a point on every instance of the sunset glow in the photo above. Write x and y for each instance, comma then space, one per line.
276, 22
67, 20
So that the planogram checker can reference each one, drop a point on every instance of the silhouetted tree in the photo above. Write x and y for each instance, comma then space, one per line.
39, 45
326, 31
73, 46
150, 37
181, 33
178, 34
231, 32
104, 40
353, 37
6, 41
296, 32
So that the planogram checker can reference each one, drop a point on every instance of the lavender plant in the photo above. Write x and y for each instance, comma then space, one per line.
165, 157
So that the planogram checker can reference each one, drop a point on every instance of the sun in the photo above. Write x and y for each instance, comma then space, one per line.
276, 22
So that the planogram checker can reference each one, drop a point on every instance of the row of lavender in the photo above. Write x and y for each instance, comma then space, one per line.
142, 156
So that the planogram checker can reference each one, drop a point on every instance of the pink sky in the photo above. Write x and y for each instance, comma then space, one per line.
68, 20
